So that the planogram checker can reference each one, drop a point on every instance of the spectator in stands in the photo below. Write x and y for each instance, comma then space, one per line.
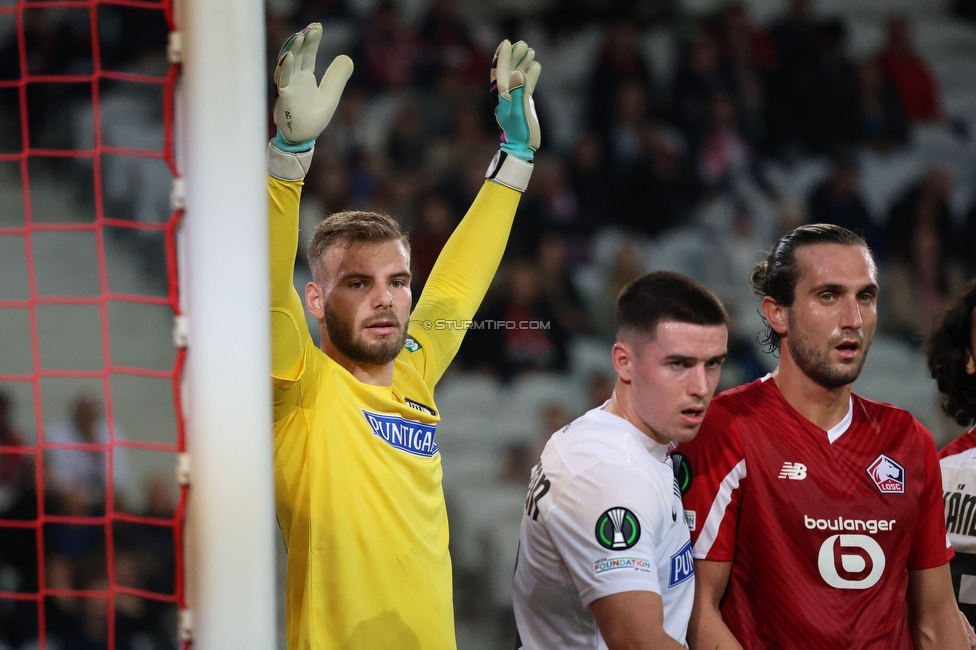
838, 200
589, 179
387, 49
552, 260
549, 206
521, 457
923, 272
533, 347
16, 472
619, 63
350, 136
795, 38
406, 145
81, 473
724, 152
909, 73
748, 54
627, 266
435, 223
698, 80
624, 136
661, 190
883, 123
795, 35
61, 613
447, 49
526, 335
833, 106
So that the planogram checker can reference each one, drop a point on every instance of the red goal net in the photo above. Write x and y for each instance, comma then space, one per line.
86, 110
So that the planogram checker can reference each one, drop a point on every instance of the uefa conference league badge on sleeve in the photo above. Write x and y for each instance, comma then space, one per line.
683, 478
618, 529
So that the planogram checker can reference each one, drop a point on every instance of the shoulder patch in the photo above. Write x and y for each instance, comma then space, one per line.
683, 475
411, 344
617, 529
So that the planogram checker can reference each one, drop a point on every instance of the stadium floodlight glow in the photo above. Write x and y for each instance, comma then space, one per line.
223, 136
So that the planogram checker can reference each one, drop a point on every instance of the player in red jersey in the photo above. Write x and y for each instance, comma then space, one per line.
951, 362
816, 515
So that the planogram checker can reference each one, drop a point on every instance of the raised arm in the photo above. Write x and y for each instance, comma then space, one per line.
465, 268
303, 109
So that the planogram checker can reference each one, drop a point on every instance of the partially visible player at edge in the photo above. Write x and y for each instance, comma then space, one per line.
604, 557
357, 470
952, 363
816, 514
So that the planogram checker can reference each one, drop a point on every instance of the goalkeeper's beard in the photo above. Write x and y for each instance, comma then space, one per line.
378, 353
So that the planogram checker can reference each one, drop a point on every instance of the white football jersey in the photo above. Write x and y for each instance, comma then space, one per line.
958, 461
603, 515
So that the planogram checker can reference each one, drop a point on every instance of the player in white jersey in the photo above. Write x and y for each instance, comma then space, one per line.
604, 554
950, 353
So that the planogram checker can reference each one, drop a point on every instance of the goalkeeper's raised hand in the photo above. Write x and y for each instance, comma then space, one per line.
304, 106
514, 74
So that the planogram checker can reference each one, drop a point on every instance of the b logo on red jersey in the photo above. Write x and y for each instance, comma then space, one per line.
851, 561
888, 475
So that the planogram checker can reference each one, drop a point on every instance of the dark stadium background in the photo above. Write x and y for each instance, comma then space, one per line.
685, 135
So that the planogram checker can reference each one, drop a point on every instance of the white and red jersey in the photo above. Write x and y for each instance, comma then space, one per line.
821, 527
958, 460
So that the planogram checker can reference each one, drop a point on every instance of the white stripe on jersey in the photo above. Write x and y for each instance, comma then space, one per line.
717, 512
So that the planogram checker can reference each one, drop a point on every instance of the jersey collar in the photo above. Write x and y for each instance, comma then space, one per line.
654, 448
841, 427
836, 431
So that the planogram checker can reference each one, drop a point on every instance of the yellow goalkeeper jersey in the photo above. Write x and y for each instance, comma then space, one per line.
357, 470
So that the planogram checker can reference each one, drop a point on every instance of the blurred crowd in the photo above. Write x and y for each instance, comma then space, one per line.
754, 128
75, 554
647, 160
650, 164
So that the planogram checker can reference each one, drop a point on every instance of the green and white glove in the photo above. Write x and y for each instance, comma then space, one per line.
514, 75
304, 106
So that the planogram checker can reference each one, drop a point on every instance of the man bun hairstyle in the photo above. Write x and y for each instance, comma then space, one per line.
778, 274
351, 227
665, 296
946, 351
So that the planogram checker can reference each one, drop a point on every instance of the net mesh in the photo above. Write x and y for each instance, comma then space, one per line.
104, 300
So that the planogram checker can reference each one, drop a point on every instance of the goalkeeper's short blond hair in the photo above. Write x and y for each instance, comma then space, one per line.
352, 227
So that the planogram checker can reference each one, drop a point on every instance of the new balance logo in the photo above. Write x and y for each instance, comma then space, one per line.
793, 471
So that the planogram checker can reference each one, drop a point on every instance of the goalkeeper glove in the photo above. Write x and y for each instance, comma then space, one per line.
304, 107
514, 75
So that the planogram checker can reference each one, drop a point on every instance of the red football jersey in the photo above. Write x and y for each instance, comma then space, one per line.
821, 527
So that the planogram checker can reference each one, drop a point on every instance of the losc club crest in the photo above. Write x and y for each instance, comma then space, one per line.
888, 475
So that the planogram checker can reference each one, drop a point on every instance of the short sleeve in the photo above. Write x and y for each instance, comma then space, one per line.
606, 525
930, 545
714, 468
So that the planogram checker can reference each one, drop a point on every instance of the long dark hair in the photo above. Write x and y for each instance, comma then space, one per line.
946, 350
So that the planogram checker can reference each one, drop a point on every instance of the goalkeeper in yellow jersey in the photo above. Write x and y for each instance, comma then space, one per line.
357, 470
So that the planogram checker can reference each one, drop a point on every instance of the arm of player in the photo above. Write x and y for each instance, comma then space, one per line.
468, 262
303, 109
633, 620
706, 629
932, 610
